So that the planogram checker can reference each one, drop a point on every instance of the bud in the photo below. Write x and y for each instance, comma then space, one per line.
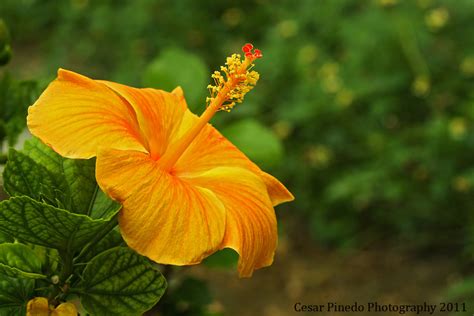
55, 279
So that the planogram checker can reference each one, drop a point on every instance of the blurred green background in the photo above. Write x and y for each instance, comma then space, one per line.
364, 109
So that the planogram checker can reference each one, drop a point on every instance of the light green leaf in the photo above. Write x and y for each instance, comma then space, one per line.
120, 282
175, 67
19, 261
225, 258
43, 155
45, 225
256, 141
48, 257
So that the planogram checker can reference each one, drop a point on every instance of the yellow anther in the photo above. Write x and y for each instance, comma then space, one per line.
233, 81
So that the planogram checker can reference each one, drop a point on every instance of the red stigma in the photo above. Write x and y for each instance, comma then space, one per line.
247, 49
257, 53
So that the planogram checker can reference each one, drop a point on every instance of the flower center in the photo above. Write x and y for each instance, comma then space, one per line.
231, 84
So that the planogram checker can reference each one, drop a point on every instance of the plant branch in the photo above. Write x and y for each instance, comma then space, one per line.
66, 271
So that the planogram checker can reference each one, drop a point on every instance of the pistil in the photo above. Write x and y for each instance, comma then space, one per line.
239, 79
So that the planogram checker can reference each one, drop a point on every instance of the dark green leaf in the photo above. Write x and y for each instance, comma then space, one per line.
15, 260
195, 293
5, 238
45, 225
14, 295
111, 240
65, 183
23, 176
120, 282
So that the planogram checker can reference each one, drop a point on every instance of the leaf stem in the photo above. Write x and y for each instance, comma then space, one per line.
66, 271
105, 230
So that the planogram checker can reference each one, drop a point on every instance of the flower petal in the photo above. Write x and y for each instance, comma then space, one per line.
65, 309
159, 113
38, 306
163, 217
276, 190
251, 227
212, 150
75, 115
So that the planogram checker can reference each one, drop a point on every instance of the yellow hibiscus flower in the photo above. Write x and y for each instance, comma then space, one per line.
186, 191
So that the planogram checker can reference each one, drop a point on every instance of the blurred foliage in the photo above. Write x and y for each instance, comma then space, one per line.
370, 102
257, 141
15, 97
225, 258
175, 67
5, 48
461, 291
191, 297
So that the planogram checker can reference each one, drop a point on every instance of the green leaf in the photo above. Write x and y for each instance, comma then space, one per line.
175, 67
45, 225
102, 206
111, 240
23, 176
15, 97
14, 295
44, 175
19, 261
43, 155
79, 178
16, 292
5, 238
256, 141
120, 282
48, 257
